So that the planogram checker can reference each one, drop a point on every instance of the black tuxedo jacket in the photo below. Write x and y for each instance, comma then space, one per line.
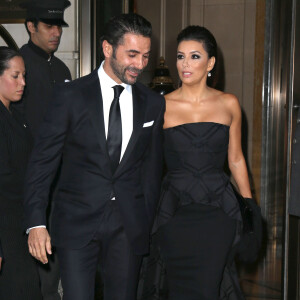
73, 131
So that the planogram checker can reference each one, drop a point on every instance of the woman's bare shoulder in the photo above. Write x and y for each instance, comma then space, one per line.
232, 105
230, 101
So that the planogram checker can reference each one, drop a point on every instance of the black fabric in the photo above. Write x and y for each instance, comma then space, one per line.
73, 131
195, 154
50, 277
249, 246
15, 148
195, 244
119, 265
114, 135
250, 243
46, 10
43, 72
18, 277
247, 214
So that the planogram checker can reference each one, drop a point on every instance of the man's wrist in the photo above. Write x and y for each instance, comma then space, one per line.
39, 226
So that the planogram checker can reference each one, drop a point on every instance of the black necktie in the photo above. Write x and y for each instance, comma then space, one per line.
114, 135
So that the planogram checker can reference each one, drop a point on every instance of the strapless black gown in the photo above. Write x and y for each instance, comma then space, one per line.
195, 154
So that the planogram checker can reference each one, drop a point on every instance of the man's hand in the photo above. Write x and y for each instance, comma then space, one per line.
39, 244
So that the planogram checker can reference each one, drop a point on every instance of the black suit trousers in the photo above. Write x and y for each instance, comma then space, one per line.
119, 265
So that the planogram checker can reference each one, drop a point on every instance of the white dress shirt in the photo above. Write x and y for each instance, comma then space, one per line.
126, 107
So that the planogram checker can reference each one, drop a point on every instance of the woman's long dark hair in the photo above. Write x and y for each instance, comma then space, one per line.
6, 54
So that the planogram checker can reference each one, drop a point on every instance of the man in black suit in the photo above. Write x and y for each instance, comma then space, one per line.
107, 129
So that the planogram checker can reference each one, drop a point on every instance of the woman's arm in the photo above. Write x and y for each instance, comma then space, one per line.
236, 160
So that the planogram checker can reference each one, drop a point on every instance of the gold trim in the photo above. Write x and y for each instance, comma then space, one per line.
12, 21
158, 80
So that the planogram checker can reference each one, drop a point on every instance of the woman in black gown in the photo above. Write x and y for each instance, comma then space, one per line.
18, 277
198, 221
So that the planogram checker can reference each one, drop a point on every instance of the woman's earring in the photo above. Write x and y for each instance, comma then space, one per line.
209, 74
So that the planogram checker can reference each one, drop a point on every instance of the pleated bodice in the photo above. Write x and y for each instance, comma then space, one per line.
195, 154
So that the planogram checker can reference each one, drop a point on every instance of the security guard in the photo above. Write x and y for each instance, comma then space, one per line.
44, 22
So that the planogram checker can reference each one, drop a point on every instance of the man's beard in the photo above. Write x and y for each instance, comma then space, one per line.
120, 72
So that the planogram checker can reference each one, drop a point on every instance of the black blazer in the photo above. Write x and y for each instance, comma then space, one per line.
15, 147
73, 130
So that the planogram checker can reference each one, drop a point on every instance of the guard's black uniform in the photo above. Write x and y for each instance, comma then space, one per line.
42, 72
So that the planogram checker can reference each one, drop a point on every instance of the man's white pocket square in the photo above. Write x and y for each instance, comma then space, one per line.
148, 124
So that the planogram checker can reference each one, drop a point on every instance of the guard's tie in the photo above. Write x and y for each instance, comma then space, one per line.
114, 135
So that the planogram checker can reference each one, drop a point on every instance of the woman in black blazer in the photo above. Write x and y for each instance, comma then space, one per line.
18, 276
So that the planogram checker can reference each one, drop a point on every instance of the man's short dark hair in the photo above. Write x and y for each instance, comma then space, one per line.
35, 22
118, 26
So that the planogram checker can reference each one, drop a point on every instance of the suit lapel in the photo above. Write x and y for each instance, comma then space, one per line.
139, 110
95, 101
